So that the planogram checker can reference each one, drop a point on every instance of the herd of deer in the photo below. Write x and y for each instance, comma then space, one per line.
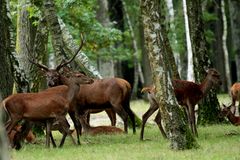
78, 95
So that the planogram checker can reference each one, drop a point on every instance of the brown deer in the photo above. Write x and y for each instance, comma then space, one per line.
235, 94
226, 112
87, 129
48, 105
188, 94
18, 133
153, 107
109, 93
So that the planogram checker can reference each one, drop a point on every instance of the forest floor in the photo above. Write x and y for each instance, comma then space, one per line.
220, 142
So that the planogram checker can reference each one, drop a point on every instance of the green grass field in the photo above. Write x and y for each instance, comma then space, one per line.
217, 142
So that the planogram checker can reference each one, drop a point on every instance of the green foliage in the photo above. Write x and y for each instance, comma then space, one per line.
80, 17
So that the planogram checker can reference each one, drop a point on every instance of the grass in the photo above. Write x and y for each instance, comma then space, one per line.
217, 142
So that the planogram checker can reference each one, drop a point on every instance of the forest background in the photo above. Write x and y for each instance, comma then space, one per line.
114, 41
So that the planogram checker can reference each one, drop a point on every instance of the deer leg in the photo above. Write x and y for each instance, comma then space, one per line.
65, 126
132, 117
11, 125
150, 111
192, 120
159, 123
52, 140
77, 125
48, 132
112, 116
123, 114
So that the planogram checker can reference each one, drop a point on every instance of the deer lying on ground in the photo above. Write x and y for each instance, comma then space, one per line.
235, 94
188, 94
87, 129
48, 105
110, 112
109, 93
226, 112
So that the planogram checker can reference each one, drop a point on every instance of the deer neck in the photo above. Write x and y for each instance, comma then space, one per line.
206, 85
73, 88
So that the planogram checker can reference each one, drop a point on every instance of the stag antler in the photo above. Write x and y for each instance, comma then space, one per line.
33, 62
69, 61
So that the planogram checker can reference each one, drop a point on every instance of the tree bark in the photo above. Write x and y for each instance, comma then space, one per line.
6, 75
177, 130
54, 28
40, 54
190, 69
209, 108
25, 37
225, 49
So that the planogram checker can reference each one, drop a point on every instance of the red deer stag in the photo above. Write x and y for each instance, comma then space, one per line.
87, 129
53, 77
109, 93
188, 95
235, 94
226, 112
47, 106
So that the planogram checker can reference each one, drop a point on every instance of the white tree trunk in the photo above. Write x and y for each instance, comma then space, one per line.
174, 37
225, 50
190, 72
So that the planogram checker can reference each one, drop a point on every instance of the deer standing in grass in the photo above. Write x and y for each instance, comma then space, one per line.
45, 106
102, 94
48, 105
235, 94
188, 94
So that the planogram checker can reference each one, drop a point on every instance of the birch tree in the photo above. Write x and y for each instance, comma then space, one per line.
225, 50
190, 72
177, 130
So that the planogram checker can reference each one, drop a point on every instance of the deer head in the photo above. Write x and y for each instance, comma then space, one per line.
225, 111
214, 77
53, 75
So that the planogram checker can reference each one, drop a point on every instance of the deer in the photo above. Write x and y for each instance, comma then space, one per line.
18, 133
235, 94
188, 94
108, 93
226, 112
87, 129
47, 106
153, 107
